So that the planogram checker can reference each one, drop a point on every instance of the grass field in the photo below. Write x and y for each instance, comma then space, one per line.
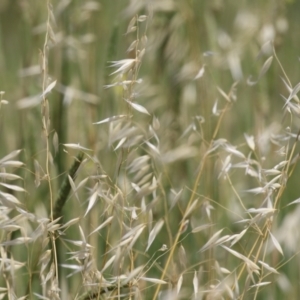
149, 149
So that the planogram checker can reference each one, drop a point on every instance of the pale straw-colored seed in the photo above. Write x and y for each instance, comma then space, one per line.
267, 267
211, 242
276, 243
156, 229
179, 284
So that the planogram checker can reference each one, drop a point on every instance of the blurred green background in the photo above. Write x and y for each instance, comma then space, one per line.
226, 37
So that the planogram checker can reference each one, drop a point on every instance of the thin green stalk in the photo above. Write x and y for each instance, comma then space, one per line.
46, 122
66, 187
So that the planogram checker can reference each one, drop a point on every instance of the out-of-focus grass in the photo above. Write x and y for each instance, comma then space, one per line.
224, 37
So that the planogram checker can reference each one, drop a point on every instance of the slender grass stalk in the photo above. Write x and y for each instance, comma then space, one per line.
65, 187
46, 124
194, 191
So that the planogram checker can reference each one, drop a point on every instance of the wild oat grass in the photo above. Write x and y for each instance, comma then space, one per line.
157, 150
